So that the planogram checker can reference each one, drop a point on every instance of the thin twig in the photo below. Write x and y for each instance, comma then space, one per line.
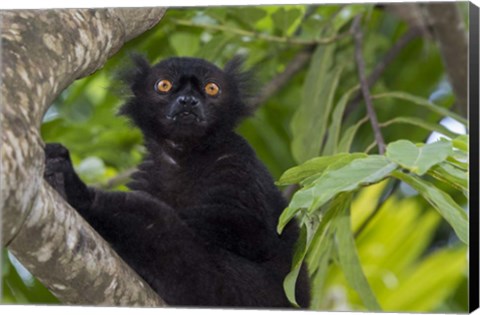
276, 84
411, 34
308, 12
263, 36
358, 38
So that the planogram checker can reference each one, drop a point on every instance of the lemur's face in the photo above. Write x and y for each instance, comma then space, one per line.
184, 98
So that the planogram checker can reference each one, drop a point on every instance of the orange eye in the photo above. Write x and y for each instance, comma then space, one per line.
212, 89
163, 86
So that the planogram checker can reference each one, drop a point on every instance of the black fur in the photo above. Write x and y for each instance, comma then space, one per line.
199, 224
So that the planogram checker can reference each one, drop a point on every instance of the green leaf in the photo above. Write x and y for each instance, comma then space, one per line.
349, 261
420, 123
309, 122
357, 173
339, 163
348, 135
249, 15
216, 13
6, 266
348, 13
451, 175
422, 102
441, 201
312, 235
335, 126
459, 162
431, 282
323, 233
319, 277
315, 166
284, 19
213, 49
461, 143
418, 159
291, 279
184, 43
321, 249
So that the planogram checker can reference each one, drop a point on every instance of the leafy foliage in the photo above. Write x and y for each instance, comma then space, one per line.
377, 231
358, 172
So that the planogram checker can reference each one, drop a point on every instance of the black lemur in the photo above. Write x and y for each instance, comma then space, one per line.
199, 222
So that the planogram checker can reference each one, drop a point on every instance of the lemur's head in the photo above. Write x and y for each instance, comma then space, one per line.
182, 98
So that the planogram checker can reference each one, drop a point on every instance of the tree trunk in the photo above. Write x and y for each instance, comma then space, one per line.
43, 52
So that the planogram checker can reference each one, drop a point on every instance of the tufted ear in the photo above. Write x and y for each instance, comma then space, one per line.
133, 75
244, 79
132, 79
235, 65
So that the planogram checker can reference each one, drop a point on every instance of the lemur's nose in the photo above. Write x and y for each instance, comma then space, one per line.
187, 100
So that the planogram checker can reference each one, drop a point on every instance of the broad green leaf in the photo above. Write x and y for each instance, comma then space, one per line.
461, 165
249, 15
309, 232
430, 283
420, 123
348, 135
451, 175
418, 159
322, 248
339, 163
366, 201
461, 142
441, 201
314, 166
357, 173
349, 261
286, 19
335, 126
320, 275
323, 232
401, 229
309, 122
299, 253
460, 155
310, 237
422, 102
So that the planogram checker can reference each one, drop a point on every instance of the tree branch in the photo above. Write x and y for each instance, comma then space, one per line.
276, 84
358, 38
392, 53
262, 36
43, 52
449, 30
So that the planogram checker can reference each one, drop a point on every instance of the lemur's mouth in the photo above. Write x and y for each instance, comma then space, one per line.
185, 116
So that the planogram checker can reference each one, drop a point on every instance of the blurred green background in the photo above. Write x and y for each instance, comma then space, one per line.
412, 259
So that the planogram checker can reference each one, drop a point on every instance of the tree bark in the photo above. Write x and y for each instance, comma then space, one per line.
43, 52
449, 30
443, 21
